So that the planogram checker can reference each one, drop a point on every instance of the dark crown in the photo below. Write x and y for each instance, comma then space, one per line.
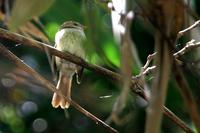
71, 24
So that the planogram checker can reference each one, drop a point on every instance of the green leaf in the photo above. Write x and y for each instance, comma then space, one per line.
51, 29
112, 53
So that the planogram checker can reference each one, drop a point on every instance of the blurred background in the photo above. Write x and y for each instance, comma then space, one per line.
25, 105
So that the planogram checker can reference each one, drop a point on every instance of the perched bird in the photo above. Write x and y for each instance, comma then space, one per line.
69, 38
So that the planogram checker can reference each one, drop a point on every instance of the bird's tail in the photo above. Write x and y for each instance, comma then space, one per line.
64, 86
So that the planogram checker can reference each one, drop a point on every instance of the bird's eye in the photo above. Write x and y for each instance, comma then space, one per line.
75, 24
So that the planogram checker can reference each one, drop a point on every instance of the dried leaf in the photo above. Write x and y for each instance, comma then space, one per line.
24, 10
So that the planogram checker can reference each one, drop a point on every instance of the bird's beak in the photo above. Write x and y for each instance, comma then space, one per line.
84, 27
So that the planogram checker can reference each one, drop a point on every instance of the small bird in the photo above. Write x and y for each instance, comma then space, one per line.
69, 38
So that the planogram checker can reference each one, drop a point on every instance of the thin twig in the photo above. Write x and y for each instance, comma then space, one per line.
149, 59
9, 55
107, 73
190, 45
146, 68
182, 32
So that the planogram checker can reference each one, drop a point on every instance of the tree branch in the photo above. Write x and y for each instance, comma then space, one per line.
9, 55
67, 56
4, 34
177, 120
187, 95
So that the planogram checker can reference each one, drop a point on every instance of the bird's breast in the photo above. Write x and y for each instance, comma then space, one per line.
71, 40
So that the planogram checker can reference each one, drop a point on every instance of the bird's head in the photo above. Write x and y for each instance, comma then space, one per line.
72, 24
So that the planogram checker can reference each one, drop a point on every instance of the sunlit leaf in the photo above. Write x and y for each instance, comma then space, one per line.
51, 29
112, 53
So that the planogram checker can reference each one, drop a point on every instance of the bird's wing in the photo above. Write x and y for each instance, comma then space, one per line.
54, 67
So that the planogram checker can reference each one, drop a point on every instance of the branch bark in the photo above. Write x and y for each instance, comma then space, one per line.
187, 95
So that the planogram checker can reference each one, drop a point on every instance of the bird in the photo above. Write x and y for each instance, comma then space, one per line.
69, 38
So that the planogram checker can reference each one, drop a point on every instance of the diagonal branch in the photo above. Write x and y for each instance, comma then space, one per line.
177, 120
4, 34
6, 53
67, 56
187, 95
